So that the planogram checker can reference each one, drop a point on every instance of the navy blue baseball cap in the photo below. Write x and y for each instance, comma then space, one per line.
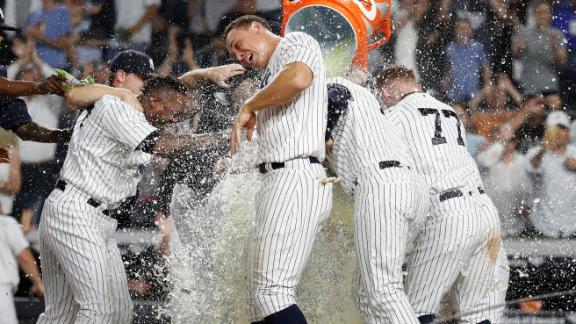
131, 61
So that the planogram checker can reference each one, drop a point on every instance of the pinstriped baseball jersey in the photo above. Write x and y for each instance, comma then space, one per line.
294, 130
102, 161
435, 137
363, 137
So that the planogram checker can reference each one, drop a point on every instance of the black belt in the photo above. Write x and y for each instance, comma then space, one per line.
457, 193
61, 185
280, 165
389, 164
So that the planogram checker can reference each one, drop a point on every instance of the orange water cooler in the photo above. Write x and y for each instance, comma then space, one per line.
345, 29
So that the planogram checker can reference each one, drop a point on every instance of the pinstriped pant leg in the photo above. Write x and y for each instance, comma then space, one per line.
480, 287
60, 306
119, 295
383, 218
79, 238
434, 264
290, 209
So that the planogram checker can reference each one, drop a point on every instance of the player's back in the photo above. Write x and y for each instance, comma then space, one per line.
364, 137
436, 140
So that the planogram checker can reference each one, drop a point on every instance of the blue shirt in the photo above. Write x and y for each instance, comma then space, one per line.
58, 24
13, 111
465, 62
473, 142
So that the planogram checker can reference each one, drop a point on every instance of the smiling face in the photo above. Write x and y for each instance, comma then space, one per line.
250, 45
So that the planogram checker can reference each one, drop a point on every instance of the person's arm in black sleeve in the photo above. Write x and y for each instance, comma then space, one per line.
166, 189
14, 116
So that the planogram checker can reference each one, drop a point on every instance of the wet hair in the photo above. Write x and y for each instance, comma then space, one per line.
245, 22
393, 73
163, 83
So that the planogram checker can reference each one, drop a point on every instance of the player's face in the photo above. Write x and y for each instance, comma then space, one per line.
167, 108
248, 46
387, 96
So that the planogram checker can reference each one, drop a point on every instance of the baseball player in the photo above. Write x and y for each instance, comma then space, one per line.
459, 250
84, 276
390, 199
290, 112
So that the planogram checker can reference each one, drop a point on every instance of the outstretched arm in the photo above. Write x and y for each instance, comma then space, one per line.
36, 133
85, 96
11, 88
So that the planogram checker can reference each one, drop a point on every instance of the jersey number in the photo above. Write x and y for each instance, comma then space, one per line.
438, 138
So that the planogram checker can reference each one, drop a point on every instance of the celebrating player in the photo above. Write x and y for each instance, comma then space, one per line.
390, 199
290, 111
460, 250
84, 276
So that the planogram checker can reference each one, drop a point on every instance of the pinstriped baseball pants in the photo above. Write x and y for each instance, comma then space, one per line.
83, 273
291, 207
390, 207
458, 252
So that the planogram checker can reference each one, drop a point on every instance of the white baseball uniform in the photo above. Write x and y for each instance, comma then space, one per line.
84, 276
460, 248
390, 203
292, 204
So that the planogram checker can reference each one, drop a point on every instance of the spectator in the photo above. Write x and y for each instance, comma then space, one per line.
10, 174
14, 251
92, 42
565, 20
507, 182
467, 63
134, 26
38, 159
433, 31
50, 28
406, 18
474, 142
25, 51
496, 105
554, 163
180, 58
98, 70
542, 53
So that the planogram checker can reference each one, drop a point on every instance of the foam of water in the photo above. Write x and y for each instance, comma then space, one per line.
209, 264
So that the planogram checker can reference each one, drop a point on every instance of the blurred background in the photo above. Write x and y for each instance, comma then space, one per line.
508, 67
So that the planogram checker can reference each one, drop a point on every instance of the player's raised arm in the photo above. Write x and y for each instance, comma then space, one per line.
85, 96
217, 74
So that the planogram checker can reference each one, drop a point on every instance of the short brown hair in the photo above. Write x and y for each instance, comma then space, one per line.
393, 73
245, 22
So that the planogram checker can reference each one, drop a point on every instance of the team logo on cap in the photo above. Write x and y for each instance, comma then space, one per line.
1, 14
151, 64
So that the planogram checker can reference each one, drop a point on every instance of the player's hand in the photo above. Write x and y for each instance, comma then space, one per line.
246, 119
52, 85
220, 74
37, 290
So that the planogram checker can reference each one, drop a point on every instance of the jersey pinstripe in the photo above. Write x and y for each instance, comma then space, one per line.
102, 161
363, 137
436, 140
294, 130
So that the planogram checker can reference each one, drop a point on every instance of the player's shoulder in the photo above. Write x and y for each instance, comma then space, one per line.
299, 39
112, 105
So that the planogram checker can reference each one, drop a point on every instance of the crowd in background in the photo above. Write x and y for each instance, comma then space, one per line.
508, 67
